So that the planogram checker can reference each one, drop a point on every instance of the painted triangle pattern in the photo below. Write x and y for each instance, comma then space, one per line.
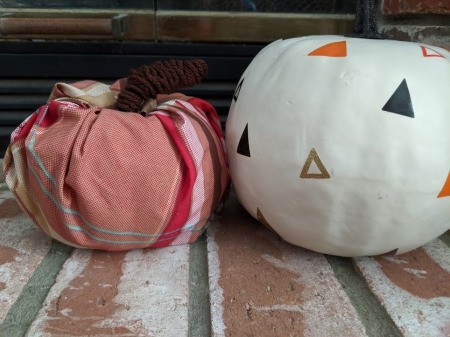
445, 192
263, 220
314, 157
243, 145
428, 52
400, 102
333, 49
392, 252
238, 90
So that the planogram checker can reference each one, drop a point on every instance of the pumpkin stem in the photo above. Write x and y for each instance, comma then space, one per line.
366, 21
146, 82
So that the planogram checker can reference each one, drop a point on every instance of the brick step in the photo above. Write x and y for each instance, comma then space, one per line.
239, 279
263, 286
22, 248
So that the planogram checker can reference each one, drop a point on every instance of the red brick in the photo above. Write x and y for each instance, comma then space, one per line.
416, 7
22, 248
9, 208
135, 293
414, 288
263, 286
260, 285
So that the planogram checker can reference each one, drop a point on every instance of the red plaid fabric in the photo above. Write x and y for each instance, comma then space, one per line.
94, 177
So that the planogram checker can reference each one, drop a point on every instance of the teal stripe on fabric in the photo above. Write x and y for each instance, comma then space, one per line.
190, 225
39, 161
36, 157
59, 205
102, 230
158, 238
96, 238
76, 213
30, 146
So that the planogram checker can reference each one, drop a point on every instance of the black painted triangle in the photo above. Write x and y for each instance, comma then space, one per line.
238, 90
392, 252
243, 146
400, 101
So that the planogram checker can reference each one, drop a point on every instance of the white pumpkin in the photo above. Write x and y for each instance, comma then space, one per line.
342, 145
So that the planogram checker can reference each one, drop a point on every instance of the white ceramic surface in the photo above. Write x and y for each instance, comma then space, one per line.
348, 148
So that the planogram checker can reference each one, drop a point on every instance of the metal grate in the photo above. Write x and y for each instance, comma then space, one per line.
78, 4
299, 6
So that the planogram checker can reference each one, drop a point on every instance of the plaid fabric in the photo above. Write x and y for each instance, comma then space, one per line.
93, 177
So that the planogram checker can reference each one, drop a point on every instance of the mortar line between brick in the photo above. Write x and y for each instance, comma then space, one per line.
445, 238
199, 316
373, 315
26, 307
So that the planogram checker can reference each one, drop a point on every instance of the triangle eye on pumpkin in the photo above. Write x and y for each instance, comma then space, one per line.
400, 102
263, 220
333, 49
243, 145
238, 90
445, 192
314, 157
428, 52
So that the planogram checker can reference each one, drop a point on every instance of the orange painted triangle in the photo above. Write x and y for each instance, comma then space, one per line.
428, 52
333, 49
446, 189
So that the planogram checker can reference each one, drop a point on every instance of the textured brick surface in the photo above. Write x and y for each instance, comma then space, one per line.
436, 35
414, 288
425, 21
262, 286
22, 247
259, 285
416, 6
136, 293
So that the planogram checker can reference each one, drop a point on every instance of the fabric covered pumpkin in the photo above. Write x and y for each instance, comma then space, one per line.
95, 177
342, 145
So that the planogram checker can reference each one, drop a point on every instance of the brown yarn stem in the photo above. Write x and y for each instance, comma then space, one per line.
147, 81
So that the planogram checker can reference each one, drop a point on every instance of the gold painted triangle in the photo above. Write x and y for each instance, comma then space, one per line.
314, 157
263, 220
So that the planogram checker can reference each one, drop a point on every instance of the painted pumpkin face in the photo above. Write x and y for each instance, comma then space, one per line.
342, 145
